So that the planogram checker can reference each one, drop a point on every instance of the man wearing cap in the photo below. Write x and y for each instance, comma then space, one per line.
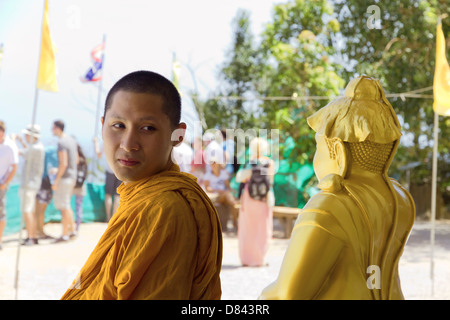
33, 154
8, 167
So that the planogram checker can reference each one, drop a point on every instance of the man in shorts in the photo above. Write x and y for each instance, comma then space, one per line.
45, 193
33, 154
65, 179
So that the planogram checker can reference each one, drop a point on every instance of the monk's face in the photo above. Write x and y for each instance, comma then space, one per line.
137, 136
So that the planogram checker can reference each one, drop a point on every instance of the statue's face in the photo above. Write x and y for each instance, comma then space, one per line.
323, 164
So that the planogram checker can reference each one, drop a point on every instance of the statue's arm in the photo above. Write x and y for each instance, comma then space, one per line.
310, 258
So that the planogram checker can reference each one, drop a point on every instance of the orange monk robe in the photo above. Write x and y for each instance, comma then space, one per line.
164, 242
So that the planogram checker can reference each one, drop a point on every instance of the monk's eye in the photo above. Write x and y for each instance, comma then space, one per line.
148, 128
118, 125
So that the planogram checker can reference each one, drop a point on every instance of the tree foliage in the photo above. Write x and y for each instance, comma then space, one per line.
296, 59
313, 48
292, 59
236, 80
399, 50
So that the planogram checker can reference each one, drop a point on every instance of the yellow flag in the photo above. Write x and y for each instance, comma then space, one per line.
441, 85
47, 66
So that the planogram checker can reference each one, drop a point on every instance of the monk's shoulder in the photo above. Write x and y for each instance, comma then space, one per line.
170, 205
172, 198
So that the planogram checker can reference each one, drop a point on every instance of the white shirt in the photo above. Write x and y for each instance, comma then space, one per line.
214, 150
217, 182
8, 157
183, 155
35, 155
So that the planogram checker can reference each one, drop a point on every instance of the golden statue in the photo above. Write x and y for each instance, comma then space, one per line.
348, 239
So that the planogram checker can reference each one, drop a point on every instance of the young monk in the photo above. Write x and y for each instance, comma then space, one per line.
348, 239
165, 241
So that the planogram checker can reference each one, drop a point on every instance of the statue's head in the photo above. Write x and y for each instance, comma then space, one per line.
360, 128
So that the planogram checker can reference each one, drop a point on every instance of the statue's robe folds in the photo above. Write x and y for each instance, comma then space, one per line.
164, 242
345, 245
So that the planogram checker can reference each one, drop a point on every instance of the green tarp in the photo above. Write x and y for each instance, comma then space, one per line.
93, 207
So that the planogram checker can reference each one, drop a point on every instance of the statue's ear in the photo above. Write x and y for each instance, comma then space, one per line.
340, 150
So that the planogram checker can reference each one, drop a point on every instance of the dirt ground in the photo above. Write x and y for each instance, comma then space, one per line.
46, 270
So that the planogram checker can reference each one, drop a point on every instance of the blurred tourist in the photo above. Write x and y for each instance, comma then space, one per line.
80, 187
183, 155
229, 154
8, 167
33, 168
212, 150
111, 184
65, 179
217, 184
255, 223
198, 164
45, 193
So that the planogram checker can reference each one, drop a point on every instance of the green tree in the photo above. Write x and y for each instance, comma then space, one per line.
236, 78
296, 61
293, 59
313, 48
394, 41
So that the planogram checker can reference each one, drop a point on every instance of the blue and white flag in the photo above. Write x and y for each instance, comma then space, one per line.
94, 72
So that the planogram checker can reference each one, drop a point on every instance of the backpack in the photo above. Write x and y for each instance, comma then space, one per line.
259, 184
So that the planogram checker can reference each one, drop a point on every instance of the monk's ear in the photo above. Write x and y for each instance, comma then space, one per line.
102, 120
178, 134
340, 150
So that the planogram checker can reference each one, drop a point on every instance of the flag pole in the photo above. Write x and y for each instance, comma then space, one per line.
437, 91
27, 169
97, 113
433, 199
100, 86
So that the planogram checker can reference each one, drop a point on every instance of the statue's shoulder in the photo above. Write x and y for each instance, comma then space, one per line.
333, 197
331, 211
335, 208
405, 201
326, 201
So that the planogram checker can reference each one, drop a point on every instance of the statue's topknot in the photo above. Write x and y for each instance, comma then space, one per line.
363, 114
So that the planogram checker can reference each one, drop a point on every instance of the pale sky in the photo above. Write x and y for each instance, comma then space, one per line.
140, 34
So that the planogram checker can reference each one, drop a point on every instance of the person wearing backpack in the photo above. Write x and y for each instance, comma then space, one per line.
255, 222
